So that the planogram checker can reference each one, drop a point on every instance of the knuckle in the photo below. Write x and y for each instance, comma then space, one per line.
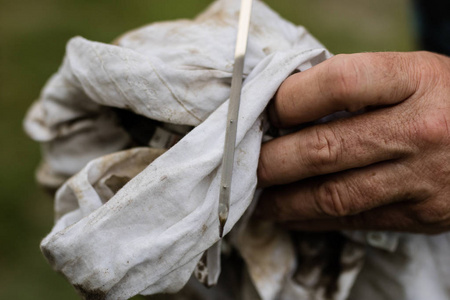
430, 66
325, 148
330, 200
431, 130
431, 72
341, 81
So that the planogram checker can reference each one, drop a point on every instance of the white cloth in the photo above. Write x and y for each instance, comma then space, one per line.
129, 222
404, 266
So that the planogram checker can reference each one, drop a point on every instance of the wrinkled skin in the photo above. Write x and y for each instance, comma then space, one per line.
385, 169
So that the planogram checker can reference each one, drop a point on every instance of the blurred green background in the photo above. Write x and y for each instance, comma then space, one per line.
33, 34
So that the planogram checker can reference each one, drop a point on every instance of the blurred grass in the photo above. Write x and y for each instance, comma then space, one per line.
32, 40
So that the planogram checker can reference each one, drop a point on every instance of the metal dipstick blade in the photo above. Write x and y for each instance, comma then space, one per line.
233, 113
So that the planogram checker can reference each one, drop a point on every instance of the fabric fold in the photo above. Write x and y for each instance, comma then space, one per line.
136, 220
169, 210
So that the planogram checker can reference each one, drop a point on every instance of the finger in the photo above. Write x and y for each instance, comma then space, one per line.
332, 147
400, 217
391, 218
343, 194
345, 82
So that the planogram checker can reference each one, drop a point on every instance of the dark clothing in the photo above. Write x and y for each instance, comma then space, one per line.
433, 22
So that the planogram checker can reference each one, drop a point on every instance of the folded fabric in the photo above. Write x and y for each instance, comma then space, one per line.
138, 221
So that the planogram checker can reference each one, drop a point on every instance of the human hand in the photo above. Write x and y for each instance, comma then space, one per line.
385, 169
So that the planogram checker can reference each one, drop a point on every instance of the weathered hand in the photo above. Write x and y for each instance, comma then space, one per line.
385, 169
